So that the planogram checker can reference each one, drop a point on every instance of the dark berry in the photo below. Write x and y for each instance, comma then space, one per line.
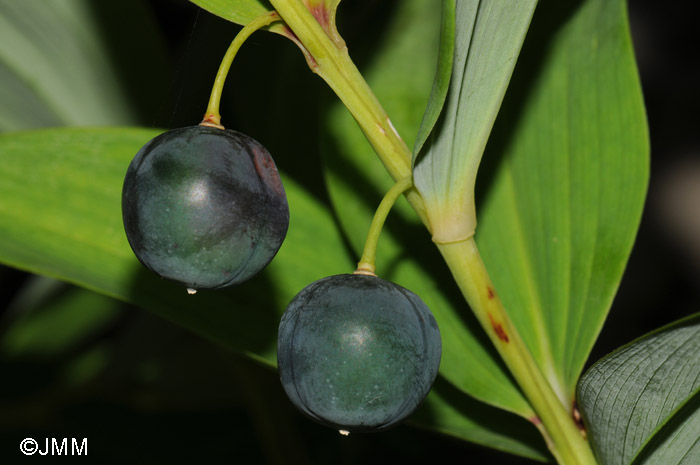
204, 206
357, 353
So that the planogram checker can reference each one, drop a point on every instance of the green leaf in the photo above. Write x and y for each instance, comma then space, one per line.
641, 403
54, 68
448, 411
441, 82
400, 73
488, 37
560, 213
676, 443
44, 305
241, 11
61, 217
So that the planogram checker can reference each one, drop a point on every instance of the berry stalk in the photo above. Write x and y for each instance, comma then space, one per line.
366, 264
211, 116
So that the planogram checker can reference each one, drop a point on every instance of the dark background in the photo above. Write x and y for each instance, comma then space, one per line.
227, 410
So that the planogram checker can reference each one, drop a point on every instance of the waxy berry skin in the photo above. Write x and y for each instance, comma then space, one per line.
357, 353
204, 207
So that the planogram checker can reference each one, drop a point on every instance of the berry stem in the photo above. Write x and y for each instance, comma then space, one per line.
212, 116
366, 264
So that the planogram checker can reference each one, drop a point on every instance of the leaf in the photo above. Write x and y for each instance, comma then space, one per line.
448, 411
488, 37
400, 74
441, 82
44, 305
61, 217
569, 165
240, 12
677, 441
54, 68
641, 403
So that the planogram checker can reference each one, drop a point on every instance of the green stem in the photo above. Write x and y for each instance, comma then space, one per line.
212, 116
366, 264
330, 60
562, 435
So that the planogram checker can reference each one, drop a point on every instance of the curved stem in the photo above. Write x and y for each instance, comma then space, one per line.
212, 116
366, 264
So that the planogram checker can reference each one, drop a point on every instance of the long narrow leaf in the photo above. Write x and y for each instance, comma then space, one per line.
240, 12
488, 38
441, 82
54, 69
559, 216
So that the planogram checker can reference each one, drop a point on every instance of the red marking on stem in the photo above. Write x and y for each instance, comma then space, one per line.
535, 420
491, 293
310, 60
210, 118
498, 329
322, 15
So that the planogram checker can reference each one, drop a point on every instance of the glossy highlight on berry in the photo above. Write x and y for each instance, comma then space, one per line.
357, 353
204, 207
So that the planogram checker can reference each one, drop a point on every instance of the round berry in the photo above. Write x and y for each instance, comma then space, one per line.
357, 353
204, 206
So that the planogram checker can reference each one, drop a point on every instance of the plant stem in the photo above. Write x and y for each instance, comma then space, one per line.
212, 116
366, 264
331, 61
564, 439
